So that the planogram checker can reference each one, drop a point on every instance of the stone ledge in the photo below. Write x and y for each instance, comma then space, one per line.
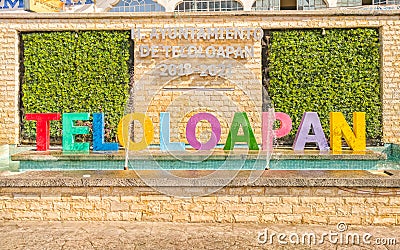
138, 15
203, 178
192, 155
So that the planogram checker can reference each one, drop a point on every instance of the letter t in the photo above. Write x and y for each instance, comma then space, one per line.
43, 128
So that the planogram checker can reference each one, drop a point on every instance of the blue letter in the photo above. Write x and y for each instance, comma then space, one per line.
98, 135
12, 4
165, 144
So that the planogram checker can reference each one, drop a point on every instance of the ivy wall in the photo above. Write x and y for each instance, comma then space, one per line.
325, 71
84, 71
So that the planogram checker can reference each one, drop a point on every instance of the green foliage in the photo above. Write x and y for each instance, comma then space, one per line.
338, 71
85, 71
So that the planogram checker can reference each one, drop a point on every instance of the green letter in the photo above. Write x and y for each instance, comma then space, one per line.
69, 132
241, 119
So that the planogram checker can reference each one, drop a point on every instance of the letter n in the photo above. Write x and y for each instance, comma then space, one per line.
340, 128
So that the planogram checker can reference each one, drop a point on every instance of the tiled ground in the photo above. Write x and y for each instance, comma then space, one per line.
145, 235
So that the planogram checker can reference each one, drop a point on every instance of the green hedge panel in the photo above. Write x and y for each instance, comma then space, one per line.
85, 71
335, 71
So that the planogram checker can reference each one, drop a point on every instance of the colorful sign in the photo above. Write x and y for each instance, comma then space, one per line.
339, 128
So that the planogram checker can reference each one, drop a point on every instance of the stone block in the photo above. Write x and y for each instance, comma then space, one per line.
179, 217
201, 218
289, 218
325, 191
83, 205
315, 219
171, 207
40, 206
300, 191
138, 207
157, 217
6, 215
224, 218
354, 200
363, 210
119, 206
230, 199
26, 196
27, 215
110, 197
235, 208
102, 205
302, 209
377, 200
92, 215
246, 199
240, 190
384, 210
290, 200
349, 220
266, 199
52, 216
254, 208
312, 200
394, 201
113, 216
192, 207
66, 215
6, 196
132, 216
51, 197
334, 200
212, 208
324, 210
242, 218
129, 198
14, 204
207, 199
155, 198
384, 221
94, 197
61, 205
79, 197
268, 218
281, 209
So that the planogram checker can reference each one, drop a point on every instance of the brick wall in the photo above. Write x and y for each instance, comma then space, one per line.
388, 22
294, 205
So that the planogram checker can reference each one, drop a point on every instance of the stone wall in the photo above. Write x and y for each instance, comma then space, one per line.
292, 205
387, 21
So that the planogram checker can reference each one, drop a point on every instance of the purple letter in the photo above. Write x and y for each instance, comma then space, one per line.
310, 120
191, 131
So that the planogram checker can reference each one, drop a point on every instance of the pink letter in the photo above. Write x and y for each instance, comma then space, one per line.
191, 131
267, 128
286, 124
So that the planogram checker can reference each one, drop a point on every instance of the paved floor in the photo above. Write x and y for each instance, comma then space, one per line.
156, 235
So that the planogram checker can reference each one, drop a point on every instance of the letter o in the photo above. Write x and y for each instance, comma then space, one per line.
124, 137
191, 131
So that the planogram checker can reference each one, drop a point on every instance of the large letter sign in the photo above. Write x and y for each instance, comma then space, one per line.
340, 128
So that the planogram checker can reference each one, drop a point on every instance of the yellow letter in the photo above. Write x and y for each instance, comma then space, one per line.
124, 136
340, 128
